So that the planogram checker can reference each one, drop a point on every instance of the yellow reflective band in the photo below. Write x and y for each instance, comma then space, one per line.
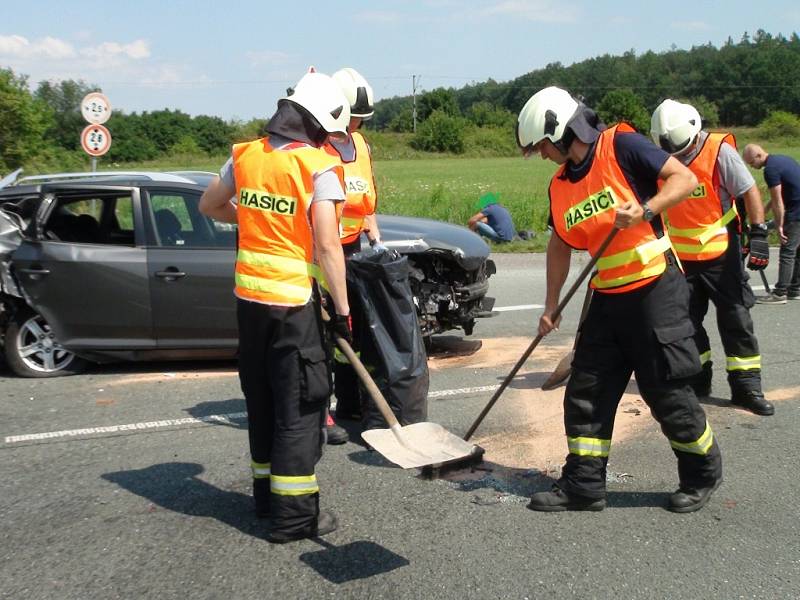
586, 446
706, 232
743, 363
695, 249
286, 485
260, 470
644, 253
618, 281
705, 357
260, 284
279, 263
351, 222
700, 446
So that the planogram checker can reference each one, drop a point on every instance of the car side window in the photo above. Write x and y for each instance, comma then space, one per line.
179, 222
90, 219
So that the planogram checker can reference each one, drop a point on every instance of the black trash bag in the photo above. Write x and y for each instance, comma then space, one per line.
391, 342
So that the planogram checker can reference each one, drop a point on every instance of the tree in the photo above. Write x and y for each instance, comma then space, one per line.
212, 134
23, 122
486, 114
440, 132
440, 99
64, 99
624, 105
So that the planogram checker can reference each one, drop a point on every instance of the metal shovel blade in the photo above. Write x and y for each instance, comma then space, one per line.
417, 445
561, 373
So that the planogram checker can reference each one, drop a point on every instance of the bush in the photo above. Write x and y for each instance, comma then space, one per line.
185, 145
490, 141
624, 105
780, 124
440, 132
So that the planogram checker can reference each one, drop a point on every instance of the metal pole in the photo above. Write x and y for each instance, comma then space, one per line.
414, 100
94, 164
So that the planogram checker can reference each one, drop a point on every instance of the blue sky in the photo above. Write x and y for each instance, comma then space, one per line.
234, 59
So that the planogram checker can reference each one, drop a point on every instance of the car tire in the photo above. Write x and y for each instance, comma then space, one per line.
32, 350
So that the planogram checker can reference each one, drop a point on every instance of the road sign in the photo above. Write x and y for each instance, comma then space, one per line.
95, 108
95, 140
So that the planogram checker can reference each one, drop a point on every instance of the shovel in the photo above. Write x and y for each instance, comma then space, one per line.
556, 313
564, 366
409, 446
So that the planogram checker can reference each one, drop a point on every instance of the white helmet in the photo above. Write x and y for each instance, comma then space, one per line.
321, 96
674, 126
545, 115
357, 91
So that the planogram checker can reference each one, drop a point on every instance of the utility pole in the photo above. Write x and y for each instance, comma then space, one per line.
414, 81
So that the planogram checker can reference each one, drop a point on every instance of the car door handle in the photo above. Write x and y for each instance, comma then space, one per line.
170, 275
35, 273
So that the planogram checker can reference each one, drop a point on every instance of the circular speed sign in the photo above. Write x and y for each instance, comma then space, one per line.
95, 140
96, 108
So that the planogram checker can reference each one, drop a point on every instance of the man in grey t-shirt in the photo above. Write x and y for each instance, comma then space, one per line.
705, 233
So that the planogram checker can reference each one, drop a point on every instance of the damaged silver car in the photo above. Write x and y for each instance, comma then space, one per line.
122, 266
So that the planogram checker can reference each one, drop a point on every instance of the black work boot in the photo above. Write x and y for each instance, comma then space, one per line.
557, 500
753, 401
334, 433
687, 499
326, 523
261, 495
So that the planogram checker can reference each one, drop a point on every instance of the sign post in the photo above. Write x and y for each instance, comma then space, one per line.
95, 138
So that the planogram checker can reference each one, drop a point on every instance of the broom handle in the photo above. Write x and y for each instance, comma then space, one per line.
556, 313
364, 376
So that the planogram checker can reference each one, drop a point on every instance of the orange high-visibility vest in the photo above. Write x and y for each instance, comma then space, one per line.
274, 187
359, 181
697, 225
583, 215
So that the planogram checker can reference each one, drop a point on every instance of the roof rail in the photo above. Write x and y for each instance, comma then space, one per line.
147, 175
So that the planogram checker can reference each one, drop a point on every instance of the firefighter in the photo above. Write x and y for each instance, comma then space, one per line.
285, 189
705, 232
358, 217
638, 320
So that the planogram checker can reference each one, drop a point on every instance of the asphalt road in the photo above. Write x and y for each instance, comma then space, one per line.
132, 481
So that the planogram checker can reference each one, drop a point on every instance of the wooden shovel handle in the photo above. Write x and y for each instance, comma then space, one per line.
364, 376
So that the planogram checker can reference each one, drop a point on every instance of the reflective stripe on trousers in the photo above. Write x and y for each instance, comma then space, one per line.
260, 470
700, 446
705, 357
743, 363
294, 485
586, 446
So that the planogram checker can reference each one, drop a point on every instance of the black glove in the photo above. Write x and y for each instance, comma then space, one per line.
340, 325
759, 248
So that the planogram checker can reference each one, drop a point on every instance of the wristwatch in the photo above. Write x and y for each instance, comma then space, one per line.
647, 213
759, 229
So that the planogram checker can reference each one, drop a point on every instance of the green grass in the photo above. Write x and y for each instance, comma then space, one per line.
447, 188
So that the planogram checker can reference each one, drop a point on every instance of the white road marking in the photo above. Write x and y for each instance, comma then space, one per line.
755, 288
518, 307
226, 419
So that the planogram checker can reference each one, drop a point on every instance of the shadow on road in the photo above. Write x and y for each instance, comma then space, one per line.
637, 499
356, 560
176, 487
234, 406
448, 346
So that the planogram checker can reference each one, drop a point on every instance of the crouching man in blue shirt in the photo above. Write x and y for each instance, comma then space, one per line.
492, 220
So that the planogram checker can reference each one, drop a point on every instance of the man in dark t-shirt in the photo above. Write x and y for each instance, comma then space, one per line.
782, 175
492, 221
638, 319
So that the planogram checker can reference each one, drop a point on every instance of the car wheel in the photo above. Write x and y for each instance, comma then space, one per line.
32, 349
